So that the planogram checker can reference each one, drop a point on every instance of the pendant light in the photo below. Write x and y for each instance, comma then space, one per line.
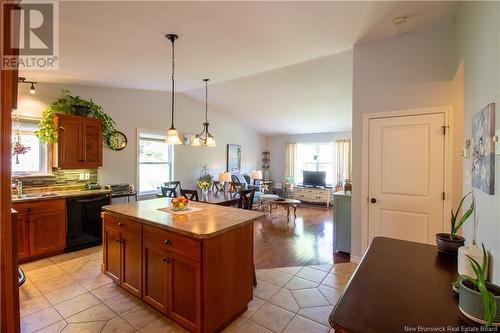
205, 138
172, 134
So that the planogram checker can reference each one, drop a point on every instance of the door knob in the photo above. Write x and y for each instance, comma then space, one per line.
373, 200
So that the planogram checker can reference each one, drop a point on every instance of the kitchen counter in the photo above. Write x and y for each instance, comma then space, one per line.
211, 221
196, 268
57, 195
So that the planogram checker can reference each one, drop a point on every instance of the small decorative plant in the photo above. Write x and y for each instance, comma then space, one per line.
47, 131
455, 226
203, 184
468, 300
450, 243
205, 176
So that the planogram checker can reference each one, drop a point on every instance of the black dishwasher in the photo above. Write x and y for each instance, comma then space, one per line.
84, 226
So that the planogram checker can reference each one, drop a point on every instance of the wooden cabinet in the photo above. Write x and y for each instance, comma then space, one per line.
122, 252
310, 194
79, 143
201, 284
184, 291
41, 228
172, 275
342, 221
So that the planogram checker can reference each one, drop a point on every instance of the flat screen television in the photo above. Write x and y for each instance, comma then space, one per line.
314, 178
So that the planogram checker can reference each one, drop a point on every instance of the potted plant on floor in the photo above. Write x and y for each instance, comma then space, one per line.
479, 300
449, 243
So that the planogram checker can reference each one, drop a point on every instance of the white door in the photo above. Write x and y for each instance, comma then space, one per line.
406, 177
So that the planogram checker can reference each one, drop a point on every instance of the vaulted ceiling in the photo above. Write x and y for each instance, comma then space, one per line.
274, 61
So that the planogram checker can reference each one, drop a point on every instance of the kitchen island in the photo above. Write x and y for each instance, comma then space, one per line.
196, 267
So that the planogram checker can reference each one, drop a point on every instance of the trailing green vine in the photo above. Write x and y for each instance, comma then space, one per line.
47, 130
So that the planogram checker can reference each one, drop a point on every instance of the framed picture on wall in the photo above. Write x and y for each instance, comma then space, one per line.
233, 158
483, 149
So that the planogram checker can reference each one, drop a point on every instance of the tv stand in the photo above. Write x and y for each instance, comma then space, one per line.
313, 194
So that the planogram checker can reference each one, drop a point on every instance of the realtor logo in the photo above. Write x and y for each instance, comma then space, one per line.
34, 32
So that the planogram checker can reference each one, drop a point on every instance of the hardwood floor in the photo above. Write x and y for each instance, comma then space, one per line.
308, 241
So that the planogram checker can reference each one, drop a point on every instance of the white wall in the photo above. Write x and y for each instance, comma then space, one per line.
308, 97
275, 144
132, 109
478, 41
408, 71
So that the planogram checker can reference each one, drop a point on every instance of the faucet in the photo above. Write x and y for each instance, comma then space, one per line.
19, 188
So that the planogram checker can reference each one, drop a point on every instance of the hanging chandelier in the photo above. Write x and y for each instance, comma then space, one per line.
172, 134
205, 138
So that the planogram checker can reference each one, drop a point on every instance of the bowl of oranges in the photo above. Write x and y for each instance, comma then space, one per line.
180, 203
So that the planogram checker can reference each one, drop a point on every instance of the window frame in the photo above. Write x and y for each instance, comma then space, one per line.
317, 162
44, 162
156, 135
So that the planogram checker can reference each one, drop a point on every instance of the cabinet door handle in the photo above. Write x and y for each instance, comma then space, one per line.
28, 209
120, 224
62, 128
167, 261
119, 241
167, 242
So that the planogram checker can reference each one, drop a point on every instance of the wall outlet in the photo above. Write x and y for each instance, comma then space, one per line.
87, 176
81, 176
467, 178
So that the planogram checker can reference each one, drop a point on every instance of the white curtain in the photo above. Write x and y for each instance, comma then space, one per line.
290, 159
342, 159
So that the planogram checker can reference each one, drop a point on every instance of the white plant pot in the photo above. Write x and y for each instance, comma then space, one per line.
464, 265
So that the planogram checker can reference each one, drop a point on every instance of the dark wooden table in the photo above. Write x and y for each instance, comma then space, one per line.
220, 198
400, 286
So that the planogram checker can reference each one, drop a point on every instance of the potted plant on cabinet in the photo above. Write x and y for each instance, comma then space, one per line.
449, 243
75, 105
479, 300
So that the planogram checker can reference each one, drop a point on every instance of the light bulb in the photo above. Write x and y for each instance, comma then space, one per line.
173, 137
210, 141
32, 89
196, 142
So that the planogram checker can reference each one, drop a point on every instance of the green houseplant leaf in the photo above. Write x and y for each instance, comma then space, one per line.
47, 130
489, 302
455, 226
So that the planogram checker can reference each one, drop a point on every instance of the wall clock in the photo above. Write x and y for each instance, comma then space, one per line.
118, 141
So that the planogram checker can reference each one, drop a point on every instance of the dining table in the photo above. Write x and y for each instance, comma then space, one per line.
220, 198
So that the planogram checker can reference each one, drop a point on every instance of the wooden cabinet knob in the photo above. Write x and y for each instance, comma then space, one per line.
167, 242
120, 224
167, 261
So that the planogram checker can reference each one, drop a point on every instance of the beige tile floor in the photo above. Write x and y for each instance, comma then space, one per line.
68, 293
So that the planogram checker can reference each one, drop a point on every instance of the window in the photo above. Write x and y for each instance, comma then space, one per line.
35, 159
314, 157
155, 161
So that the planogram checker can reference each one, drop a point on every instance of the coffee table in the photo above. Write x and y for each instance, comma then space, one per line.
286, 203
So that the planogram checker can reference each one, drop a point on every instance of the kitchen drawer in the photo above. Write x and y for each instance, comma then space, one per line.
122, 225
162, 239
41, 206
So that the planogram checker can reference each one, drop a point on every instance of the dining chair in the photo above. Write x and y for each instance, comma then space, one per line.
168, 192
246, 199
190, 194
236, 187
175, 185
218, 186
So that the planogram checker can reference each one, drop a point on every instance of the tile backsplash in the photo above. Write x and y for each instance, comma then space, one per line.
59, 180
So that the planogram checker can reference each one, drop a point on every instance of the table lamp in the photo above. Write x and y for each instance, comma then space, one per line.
256, 175
225, 177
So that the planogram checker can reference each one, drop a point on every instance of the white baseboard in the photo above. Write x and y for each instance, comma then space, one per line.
355, 259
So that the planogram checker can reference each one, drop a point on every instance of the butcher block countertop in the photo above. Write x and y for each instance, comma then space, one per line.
210, 221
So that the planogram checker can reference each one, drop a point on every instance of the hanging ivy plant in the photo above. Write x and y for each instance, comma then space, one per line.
47, 130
